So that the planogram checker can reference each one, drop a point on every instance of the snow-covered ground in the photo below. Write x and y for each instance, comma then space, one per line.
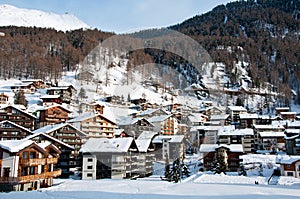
155, 188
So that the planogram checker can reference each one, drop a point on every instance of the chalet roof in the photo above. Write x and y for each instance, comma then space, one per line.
286, 159
271, 134
87, 116
159, 118
22, 111
105, 145
293, 131
237, 108
170, 138
149, 112
52, 106
288, 113
248, 116
16, 125
282, 108
129, 120
59, 88
50, 96
261, 126
14, 146
219, 117
144, 140
196, 117
205, 148
242, 132
49, 137
50, 128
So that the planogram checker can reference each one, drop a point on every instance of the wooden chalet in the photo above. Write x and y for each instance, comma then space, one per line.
3, 98
94, 125
18, 116
134, 126
52, 115
12, 131
51, 99
65, 159
65, 92
70, 135
165, 124
26, 165
289, 165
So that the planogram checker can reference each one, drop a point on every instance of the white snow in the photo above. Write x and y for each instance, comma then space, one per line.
10, 15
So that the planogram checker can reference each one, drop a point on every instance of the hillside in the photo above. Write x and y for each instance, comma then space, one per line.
264, 34
13, 16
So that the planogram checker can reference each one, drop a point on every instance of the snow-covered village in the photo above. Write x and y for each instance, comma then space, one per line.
149, 114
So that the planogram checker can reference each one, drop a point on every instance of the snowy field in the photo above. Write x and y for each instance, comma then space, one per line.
212, 187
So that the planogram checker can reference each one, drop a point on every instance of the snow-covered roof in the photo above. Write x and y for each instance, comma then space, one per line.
254, 158
219, 117
14, 146
14, 124
129, 120
22, 111
144, 140
196, 128
159, 118
170, 138
50, 96
293, 131
150, 111
244, 132
58, 88
105, 145
248, 116
52, 106
86, 116
288, 113
205, 148
49, 137
262, 126
196, 117
237, 108
286, 159
271, 134
53, 127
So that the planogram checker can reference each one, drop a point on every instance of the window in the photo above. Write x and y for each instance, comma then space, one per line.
25, 154
90, 159
89, 175
32, 154
89, 167
290, 174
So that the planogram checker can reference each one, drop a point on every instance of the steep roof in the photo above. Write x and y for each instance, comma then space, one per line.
22, 111
159, 118
144, 140
54, 127
16, 125
286, 159
87, 116
205, 148
14, 146
171, 138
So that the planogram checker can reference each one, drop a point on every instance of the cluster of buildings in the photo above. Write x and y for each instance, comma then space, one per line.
50, 140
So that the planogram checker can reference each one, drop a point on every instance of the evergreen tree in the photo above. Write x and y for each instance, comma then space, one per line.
20, 98
82, 93
242, 170
219, 165
167, 170
185, 170
176, 171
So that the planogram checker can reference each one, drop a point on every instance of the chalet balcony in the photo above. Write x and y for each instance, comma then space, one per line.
33, 162
52, 160
29, 178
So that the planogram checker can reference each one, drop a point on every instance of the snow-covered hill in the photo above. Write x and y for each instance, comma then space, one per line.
10, 15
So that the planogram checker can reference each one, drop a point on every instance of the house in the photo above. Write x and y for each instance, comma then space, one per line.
94, 125
68, 134
247, 120
288, 115
238, 136
114, 158
231, 154
146, 153
65, 159
38, 83
26, 165
134, 126
234, 112
289, 165
27, 87
169, 147
220, 120
97, 107
151, 113
18, 116
51, 99
164, 124
195, 119
52, 115
211, 133
292, 144
213, 110
65, 92
12, 131
3, 98
269, 137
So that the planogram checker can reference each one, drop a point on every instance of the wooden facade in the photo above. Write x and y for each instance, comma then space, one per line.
27, 166
12, 131
3, 98
18, 116
52, 115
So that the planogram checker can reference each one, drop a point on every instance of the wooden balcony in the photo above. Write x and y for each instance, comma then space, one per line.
52, 160
29, 178
33, 162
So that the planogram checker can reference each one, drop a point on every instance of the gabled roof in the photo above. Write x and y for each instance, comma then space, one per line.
50, 96
14, 146
262, 126
16, 125
105, 145
14, 107
129, 120
143, 142
53, 127
205, 148
287, 159
150, 111
53, 106
87, 116
248, 116
219, 117
170, 138
159, 118
237, 108
271, 134
48, 137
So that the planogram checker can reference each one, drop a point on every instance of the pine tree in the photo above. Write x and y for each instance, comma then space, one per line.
219, 165
185, 170
176, 171
20, 98
167, 169
242, 170
82, 93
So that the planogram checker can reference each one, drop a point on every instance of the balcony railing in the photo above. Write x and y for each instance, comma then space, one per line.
29, 178
52, 160
31, 162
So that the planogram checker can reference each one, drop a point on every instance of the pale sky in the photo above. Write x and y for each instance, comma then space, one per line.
123, 15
